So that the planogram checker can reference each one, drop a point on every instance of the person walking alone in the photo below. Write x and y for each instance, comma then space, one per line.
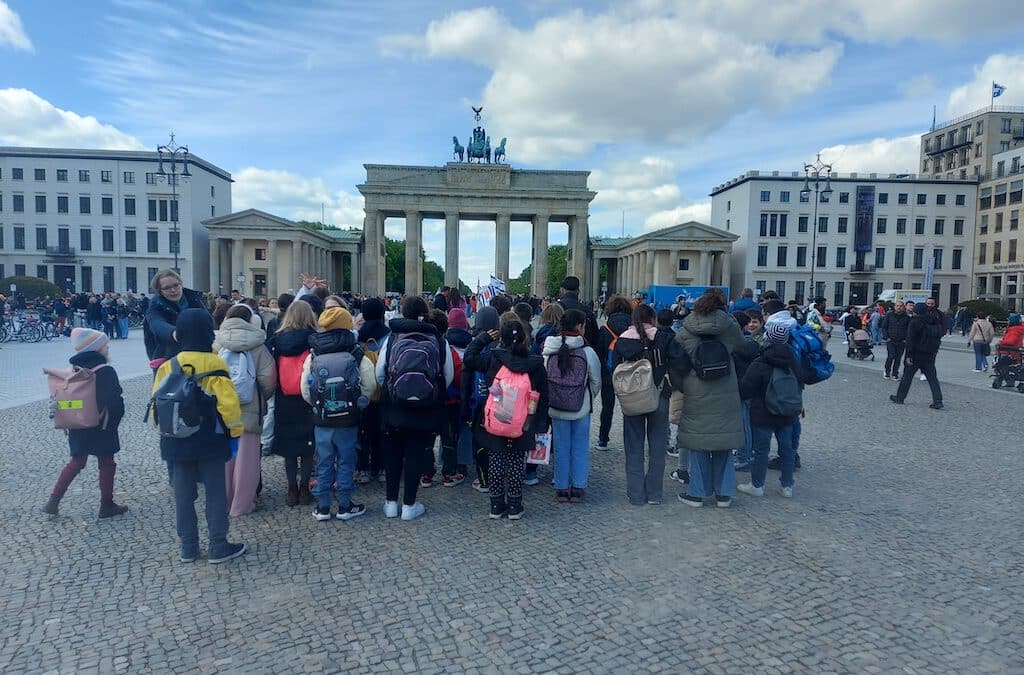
894, 332
980, 339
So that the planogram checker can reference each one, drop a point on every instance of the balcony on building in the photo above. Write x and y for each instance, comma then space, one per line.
947, 146
60, 251
862, 269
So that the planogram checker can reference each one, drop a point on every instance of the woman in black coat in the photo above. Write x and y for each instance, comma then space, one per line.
102, 441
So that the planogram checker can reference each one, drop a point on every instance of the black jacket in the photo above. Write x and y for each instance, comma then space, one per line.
338, 340
664, 349
293, 417
755, 383
617, 322
572, 301
921, 331
99, 441
894, 326
490, 364
161, 316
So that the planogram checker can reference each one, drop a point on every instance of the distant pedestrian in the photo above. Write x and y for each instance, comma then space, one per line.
980, 339
103, 441
924, 337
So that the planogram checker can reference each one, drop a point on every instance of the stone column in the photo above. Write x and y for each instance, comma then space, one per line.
579, 243
595, 277
451, 249
371, 254
214, 264
727, 271
645, 274
704, 274
238, 263
502, 227
413, 263
296, 266
657, 267
539, 263
272, 268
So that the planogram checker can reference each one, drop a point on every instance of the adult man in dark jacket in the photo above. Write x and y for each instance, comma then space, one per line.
924, 337
619, 319
894, 333
570, 299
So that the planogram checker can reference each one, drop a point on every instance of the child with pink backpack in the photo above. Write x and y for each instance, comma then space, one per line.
86, 401
515, 411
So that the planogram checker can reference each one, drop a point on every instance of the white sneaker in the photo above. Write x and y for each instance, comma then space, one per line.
923, 378
390, 509
412, 512
884, 376
977, 370
786, 492
749, 489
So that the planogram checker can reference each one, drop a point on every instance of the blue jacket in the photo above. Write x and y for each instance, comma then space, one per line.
161, 316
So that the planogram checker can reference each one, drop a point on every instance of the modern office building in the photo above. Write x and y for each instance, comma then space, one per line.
101, 220
871, 233
964, 147
998, 259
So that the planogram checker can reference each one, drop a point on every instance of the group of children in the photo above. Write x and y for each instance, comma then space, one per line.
353, 402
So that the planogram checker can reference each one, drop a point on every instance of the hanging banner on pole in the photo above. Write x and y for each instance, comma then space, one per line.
929, 274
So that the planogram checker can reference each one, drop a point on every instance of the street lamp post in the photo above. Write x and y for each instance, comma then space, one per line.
174, 154
240, 280
817, 171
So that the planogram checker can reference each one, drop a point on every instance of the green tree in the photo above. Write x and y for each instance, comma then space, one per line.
433, 274
32, 287
317, 225
556, 273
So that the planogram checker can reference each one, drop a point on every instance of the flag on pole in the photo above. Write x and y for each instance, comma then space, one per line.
497, 284
997, 90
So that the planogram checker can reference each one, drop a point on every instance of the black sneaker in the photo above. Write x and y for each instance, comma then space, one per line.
353, 511
680, 475
937, 405
723, 502
695, 502
230, 552
322, 513
892, 397
498, 510
515, 511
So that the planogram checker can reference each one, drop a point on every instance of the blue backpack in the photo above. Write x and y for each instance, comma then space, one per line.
814, 361
481, 390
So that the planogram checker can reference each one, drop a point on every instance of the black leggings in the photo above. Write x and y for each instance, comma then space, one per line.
291, 469
607, 405
405, 455
506, 474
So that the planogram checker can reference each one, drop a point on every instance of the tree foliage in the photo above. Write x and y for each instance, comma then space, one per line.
556, 273
316, 225
993, 309
433, 274
32, 287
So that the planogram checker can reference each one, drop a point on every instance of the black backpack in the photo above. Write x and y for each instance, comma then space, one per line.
180, 407
711, 359
931, 338
782, 396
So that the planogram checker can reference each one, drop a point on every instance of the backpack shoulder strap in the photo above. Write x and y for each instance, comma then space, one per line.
608, 328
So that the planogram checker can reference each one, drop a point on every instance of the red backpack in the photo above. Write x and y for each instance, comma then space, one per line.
73, 402
454, 393
289, 373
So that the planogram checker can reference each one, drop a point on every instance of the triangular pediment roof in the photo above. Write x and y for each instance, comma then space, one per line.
688, 231
261, 221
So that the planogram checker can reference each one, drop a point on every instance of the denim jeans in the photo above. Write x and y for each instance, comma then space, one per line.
186, 477
980, 362
743, 454
335, 462
787, 454
571, 446
711, 473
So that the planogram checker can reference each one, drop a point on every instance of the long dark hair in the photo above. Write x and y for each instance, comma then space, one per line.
512, 337
643, 314
414, 307
569, 321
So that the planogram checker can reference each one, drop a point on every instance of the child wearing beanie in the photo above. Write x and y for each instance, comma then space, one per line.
775, 367
102, 441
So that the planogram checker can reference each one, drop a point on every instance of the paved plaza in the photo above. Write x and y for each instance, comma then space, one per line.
901, 552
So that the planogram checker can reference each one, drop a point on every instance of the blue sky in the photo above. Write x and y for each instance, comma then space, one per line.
660, 99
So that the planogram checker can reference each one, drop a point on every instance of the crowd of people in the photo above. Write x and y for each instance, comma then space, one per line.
353, 390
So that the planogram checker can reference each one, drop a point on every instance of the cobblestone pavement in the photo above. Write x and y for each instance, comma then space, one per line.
901, 551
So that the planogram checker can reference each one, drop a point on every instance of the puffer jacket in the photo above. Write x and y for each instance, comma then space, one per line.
712, 416
894, 326
158, 326
1013, 337
238, 335
755, 383
592, 387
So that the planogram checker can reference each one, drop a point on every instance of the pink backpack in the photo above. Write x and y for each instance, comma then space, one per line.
73, 398
508, 404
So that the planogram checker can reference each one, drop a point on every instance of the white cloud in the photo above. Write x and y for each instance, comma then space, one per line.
880, 155
647, 183
295, 197
576, 80
28, 120
1006, 69
699, 211
12, 33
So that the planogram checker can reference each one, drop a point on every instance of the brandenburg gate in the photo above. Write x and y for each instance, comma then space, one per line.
473, 191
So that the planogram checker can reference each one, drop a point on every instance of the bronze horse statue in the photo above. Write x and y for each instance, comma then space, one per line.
459, 150
499, 152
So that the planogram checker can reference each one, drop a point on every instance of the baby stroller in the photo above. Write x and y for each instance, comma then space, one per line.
860, 345
1007, 369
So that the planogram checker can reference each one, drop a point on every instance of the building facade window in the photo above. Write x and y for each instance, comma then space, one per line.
937, 257
783, 195
128, 177
129, 206
801, 256
881, 225
62, 204
840, 257
841, 224
804, 197
801, 224
940, 225
922, 199
902, 198
919, 226
961, 200
62, 175
105, 176
18, 203
940, 199
822, 223
107, 206
957, 260
83, 175
84, 205
844, 197
821, 257
131, 279
879, 258
897, 258
129, 241
17, 173
40, 238
85, 239
762, 256
19, 238
108, 241
958, 227
40, 174
766, 195
150, 179
883, 197
918, 258
152, 242
40, 203
780, 256
1011, 251
997, 252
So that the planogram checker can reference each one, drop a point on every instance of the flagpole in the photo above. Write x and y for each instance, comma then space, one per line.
992, 96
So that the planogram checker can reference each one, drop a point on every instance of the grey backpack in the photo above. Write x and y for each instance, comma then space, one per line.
783, 397
334, 388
